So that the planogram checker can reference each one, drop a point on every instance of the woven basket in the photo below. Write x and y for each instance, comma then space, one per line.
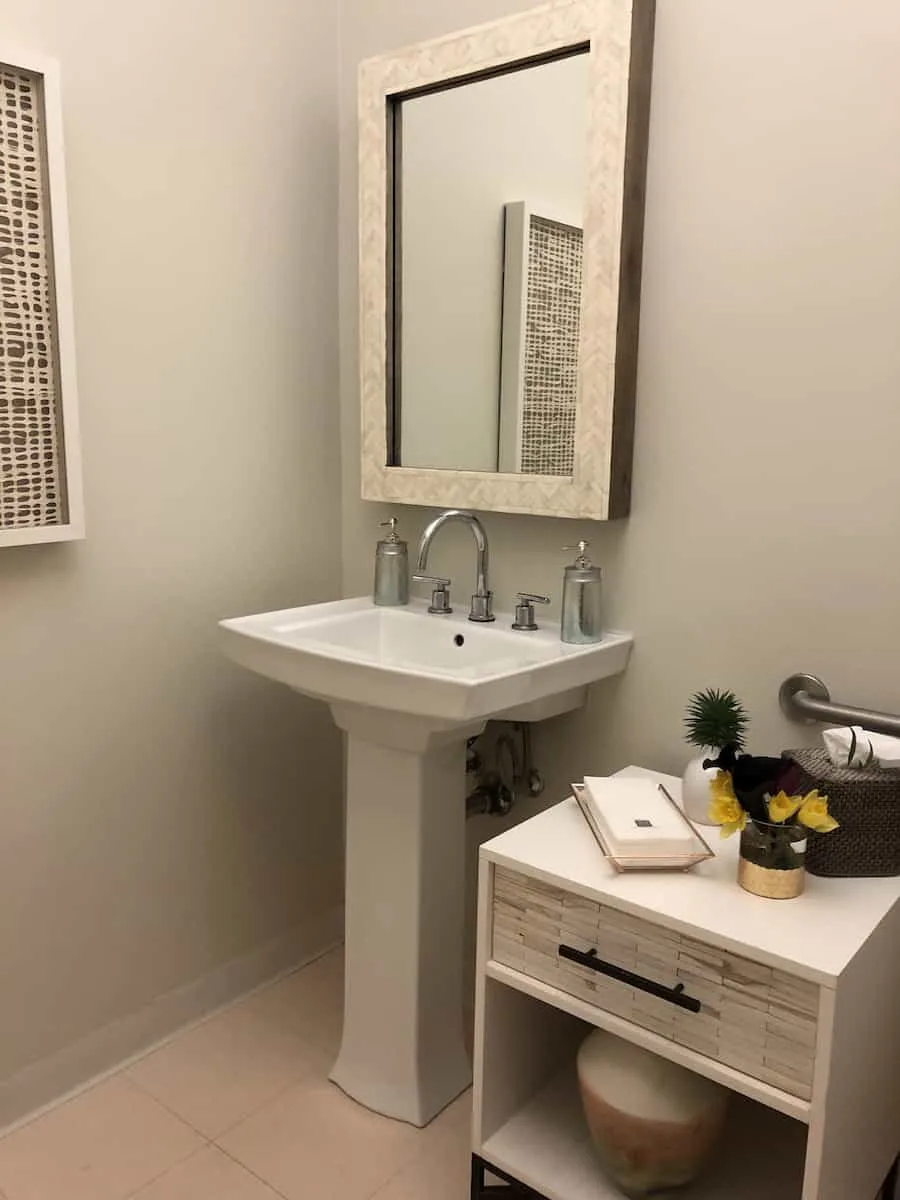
866, 803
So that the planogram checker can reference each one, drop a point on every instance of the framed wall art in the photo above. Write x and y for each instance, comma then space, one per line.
40, 461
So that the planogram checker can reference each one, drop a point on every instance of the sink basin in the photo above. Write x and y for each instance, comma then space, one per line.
406, 660
409, 688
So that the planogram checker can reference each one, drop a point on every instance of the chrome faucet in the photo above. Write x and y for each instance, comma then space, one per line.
481, 608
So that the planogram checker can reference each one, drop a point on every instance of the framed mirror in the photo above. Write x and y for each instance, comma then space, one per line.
502, 179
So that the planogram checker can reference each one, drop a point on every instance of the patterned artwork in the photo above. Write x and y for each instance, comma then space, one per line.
552, 334
31, 484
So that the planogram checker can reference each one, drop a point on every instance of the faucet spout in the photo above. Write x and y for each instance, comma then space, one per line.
481, 608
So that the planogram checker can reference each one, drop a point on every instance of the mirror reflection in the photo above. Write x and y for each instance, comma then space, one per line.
489, 180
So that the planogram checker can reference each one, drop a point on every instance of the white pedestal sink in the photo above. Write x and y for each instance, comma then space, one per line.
409, 689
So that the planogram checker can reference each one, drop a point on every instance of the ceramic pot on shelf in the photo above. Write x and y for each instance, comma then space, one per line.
695, 783
653, 1123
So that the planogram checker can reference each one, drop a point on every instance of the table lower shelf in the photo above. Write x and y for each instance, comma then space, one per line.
546, 1146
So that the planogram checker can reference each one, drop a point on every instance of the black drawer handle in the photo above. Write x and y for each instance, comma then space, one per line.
674, 995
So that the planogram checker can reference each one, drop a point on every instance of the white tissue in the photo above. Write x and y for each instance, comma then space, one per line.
636, 818
838, 741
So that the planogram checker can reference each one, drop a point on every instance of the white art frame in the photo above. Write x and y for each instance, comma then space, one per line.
71, 526
619, 34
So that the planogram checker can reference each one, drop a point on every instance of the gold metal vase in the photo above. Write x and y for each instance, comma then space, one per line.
773, 860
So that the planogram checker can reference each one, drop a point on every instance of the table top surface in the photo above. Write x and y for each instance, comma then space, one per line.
815, 935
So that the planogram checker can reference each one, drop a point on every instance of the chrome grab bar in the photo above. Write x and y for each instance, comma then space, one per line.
806, 699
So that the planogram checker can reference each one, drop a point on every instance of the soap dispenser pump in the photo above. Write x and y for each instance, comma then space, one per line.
391, 569
582, 609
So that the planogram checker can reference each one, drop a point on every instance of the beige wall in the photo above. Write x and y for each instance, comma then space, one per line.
162, 812
766, 523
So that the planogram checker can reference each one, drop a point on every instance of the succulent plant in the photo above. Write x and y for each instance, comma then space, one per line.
716, 718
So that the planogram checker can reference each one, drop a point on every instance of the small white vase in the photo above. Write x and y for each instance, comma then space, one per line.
695, 781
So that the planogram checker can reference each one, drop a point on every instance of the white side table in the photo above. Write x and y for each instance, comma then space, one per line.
794, 1005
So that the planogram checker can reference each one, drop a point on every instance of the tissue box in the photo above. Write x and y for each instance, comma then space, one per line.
638, 826
865, 801
637, 819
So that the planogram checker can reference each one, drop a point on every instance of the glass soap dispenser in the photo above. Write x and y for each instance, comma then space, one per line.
391, 569
582, 608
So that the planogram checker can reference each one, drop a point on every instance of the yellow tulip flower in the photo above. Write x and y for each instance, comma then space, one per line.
721, 788
814, 814
782, 807
724, 807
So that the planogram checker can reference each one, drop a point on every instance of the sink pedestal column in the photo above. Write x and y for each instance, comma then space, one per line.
402, 1051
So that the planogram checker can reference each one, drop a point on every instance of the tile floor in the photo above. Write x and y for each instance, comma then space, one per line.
238, 1108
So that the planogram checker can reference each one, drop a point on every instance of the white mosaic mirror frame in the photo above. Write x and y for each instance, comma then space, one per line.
41, 497
620, 36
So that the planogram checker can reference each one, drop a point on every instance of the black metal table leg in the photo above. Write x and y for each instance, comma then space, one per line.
889, 1187
510, 1189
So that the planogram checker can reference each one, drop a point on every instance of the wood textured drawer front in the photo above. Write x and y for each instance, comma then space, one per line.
747, 1015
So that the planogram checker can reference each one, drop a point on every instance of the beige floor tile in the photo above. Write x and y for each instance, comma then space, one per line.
440, 1175
102, 1145
314, 1142
310, 1004
218, 1073
441, 1168
208, 1175
453, 1125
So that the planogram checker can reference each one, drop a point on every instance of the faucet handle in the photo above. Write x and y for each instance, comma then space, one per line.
440, 595
525, 602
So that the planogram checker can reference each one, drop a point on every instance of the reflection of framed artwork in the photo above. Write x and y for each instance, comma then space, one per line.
542, 279
40, 462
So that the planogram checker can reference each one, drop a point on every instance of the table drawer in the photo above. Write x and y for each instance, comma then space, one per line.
752, 1017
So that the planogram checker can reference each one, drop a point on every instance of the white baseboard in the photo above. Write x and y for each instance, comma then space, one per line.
45, 1083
